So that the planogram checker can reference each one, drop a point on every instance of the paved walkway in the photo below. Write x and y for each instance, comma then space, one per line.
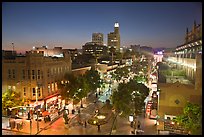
27, 129
74, 128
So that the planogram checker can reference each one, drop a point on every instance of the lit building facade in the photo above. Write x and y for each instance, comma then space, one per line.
174, 96
34, 73
188, 56
91, 48
114, 38
97, 38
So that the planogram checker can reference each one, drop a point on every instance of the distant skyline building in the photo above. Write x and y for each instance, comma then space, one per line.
97, 38
135, 48
114, 38
146, 50
96, 50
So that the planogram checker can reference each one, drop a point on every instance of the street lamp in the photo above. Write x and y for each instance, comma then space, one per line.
135, 117
36, 94
29, 118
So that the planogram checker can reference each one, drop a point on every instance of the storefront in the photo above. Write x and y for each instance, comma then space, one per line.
54, 105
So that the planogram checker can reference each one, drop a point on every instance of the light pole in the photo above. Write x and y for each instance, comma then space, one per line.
29, 118
135, 116
36, 93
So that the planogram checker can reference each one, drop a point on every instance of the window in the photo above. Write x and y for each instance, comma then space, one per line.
38, 74
23, 74
33, 74
58, 70
33, 91
48, 87
9, 87
9, 73
13, 73
53, 87
24, 91
51, 71
55, 71
56, 86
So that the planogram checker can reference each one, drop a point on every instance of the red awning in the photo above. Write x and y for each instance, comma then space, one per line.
53, 95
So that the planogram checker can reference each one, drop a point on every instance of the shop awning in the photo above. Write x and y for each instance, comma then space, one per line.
53, 95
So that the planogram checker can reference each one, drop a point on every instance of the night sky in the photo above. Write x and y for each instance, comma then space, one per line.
71, 25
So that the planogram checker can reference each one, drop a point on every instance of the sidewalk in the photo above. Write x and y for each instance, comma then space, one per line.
27, 127
42, 125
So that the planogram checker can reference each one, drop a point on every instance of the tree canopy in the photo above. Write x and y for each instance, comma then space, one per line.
93, 79
11, 98
191, 119
129, 98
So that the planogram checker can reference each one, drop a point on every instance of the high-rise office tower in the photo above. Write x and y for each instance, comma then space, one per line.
114, 38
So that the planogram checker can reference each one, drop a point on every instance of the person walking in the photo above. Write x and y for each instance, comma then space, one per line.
65, 116
85, 124
138, 125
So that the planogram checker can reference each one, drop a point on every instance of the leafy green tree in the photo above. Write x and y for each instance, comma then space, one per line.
140, 79
121, 99
128, 54
93, 79
120, 72
69, 88
140, 92
11, 98
129, 98
83, 88
191, 119
136, 67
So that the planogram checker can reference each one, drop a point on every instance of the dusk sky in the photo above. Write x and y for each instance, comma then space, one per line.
70, 25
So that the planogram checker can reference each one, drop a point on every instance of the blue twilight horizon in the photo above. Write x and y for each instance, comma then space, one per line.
71, 24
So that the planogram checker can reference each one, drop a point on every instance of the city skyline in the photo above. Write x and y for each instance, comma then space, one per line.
71, 24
